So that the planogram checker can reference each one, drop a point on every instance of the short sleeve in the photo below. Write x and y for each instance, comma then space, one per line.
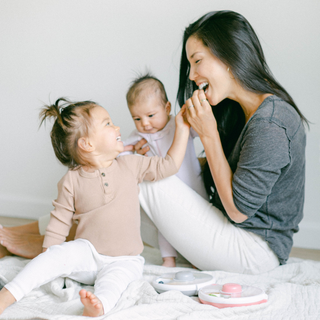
264, 153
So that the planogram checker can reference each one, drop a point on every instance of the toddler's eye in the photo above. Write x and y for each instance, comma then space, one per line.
108, 124
137, 119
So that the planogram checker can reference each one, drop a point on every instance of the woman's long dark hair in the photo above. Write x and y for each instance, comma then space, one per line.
231, 39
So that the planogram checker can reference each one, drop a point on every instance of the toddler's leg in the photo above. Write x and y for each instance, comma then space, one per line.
113, 279
57, 261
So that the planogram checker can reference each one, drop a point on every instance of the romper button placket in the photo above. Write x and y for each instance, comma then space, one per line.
103, 174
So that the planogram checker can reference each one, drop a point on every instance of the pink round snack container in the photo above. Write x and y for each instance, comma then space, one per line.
231, 295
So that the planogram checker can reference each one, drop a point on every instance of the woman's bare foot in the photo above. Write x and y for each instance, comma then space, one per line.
21, 244
6, 299
4, 252
169, 262
92, 305
32, 227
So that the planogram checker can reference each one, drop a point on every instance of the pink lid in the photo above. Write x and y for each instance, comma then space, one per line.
234, 289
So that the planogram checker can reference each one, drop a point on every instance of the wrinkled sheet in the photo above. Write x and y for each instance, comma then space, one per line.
293, 291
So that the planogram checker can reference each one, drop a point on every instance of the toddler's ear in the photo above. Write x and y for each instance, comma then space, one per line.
168, 108
85, 145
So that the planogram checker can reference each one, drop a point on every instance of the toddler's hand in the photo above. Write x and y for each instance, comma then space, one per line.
181, 119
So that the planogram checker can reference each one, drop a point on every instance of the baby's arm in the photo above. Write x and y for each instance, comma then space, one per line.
179, 145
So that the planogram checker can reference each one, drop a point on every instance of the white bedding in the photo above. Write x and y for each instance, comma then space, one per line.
293, 290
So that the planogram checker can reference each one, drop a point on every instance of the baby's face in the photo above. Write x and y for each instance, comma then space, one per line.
150, 115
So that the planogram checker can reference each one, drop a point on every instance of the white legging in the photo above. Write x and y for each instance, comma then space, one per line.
199, 231
80, 261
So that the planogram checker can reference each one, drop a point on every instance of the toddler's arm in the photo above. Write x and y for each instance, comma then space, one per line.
179, 145
61, 217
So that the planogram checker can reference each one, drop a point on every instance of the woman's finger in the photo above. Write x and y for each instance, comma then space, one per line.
190, 107
196, 100
203, 99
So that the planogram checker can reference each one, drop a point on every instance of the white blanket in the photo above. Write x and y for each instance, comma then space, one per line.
293, 290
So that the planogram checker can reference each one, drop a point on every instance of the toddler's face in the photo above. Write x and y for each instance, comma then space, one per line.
105, 135
150, 115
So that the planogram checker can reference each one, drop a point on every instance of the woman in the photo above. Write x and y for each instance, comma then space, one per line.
257, 189
254, 141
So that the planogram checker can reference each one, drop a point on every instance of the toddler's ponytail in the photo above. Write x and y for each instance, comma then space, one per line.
71, 122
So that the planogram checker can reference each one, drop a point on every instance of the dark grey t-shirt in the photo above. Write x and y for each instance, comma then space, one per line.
268, 162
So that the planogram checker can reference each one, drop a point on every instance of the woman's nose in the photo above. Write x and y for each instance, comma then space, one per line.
192, 74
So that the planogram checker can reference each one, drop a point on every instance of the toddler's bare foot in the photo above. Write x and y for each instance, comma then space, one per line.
92, 305
169, 262
21, 244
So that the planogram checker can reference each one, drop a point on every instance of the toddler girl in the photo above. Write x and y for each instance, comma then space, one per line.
99, 192
150, 109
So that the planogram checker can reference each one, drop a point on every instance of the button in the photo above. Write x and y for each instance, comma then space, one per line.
106, 184
103, 174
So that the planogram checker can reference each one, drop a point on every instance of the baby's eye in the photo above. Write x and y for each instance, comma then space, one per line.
151, 115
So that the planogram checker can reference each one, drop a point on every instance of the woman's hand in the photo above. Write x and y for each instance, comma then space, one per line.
202, 120
200, 115
138, 147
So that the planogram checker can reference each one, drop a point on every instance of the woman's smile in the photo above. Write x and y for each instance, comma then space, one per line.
208, 72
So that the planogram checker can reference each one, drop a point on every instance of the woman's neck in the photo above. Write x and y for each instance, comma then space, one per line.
250, 101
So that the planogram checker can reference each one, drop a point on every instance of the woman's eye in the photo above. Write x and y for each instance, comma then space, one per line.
198, 61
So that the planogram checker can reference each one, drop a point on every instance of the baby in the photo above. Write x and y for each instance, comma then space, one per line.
100, 192
150, 110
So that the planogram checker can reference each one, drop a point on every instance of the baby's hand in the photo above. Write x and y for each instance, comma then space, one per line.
138, 148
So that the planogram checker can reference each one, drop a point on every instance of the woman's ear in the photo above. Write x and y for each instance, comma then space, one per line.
85, 145
168, 108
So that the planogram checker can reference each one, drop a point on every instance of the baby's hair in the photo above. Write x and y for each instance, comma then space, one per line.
142, 82
72, 121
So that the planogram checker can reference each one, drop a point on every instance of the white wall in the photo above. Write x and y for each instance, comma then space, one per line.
86, 49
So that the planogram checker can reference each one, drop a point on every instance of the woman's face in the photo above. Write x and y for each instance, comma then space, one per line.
208, 72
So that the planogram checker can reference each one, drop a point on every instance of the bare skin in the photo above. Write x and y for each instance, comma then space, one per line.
169, 262
92, 305
6, 299
24, 241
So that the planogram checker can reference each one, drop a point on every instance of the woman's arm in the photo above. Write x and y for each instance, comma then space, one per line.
202, 120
